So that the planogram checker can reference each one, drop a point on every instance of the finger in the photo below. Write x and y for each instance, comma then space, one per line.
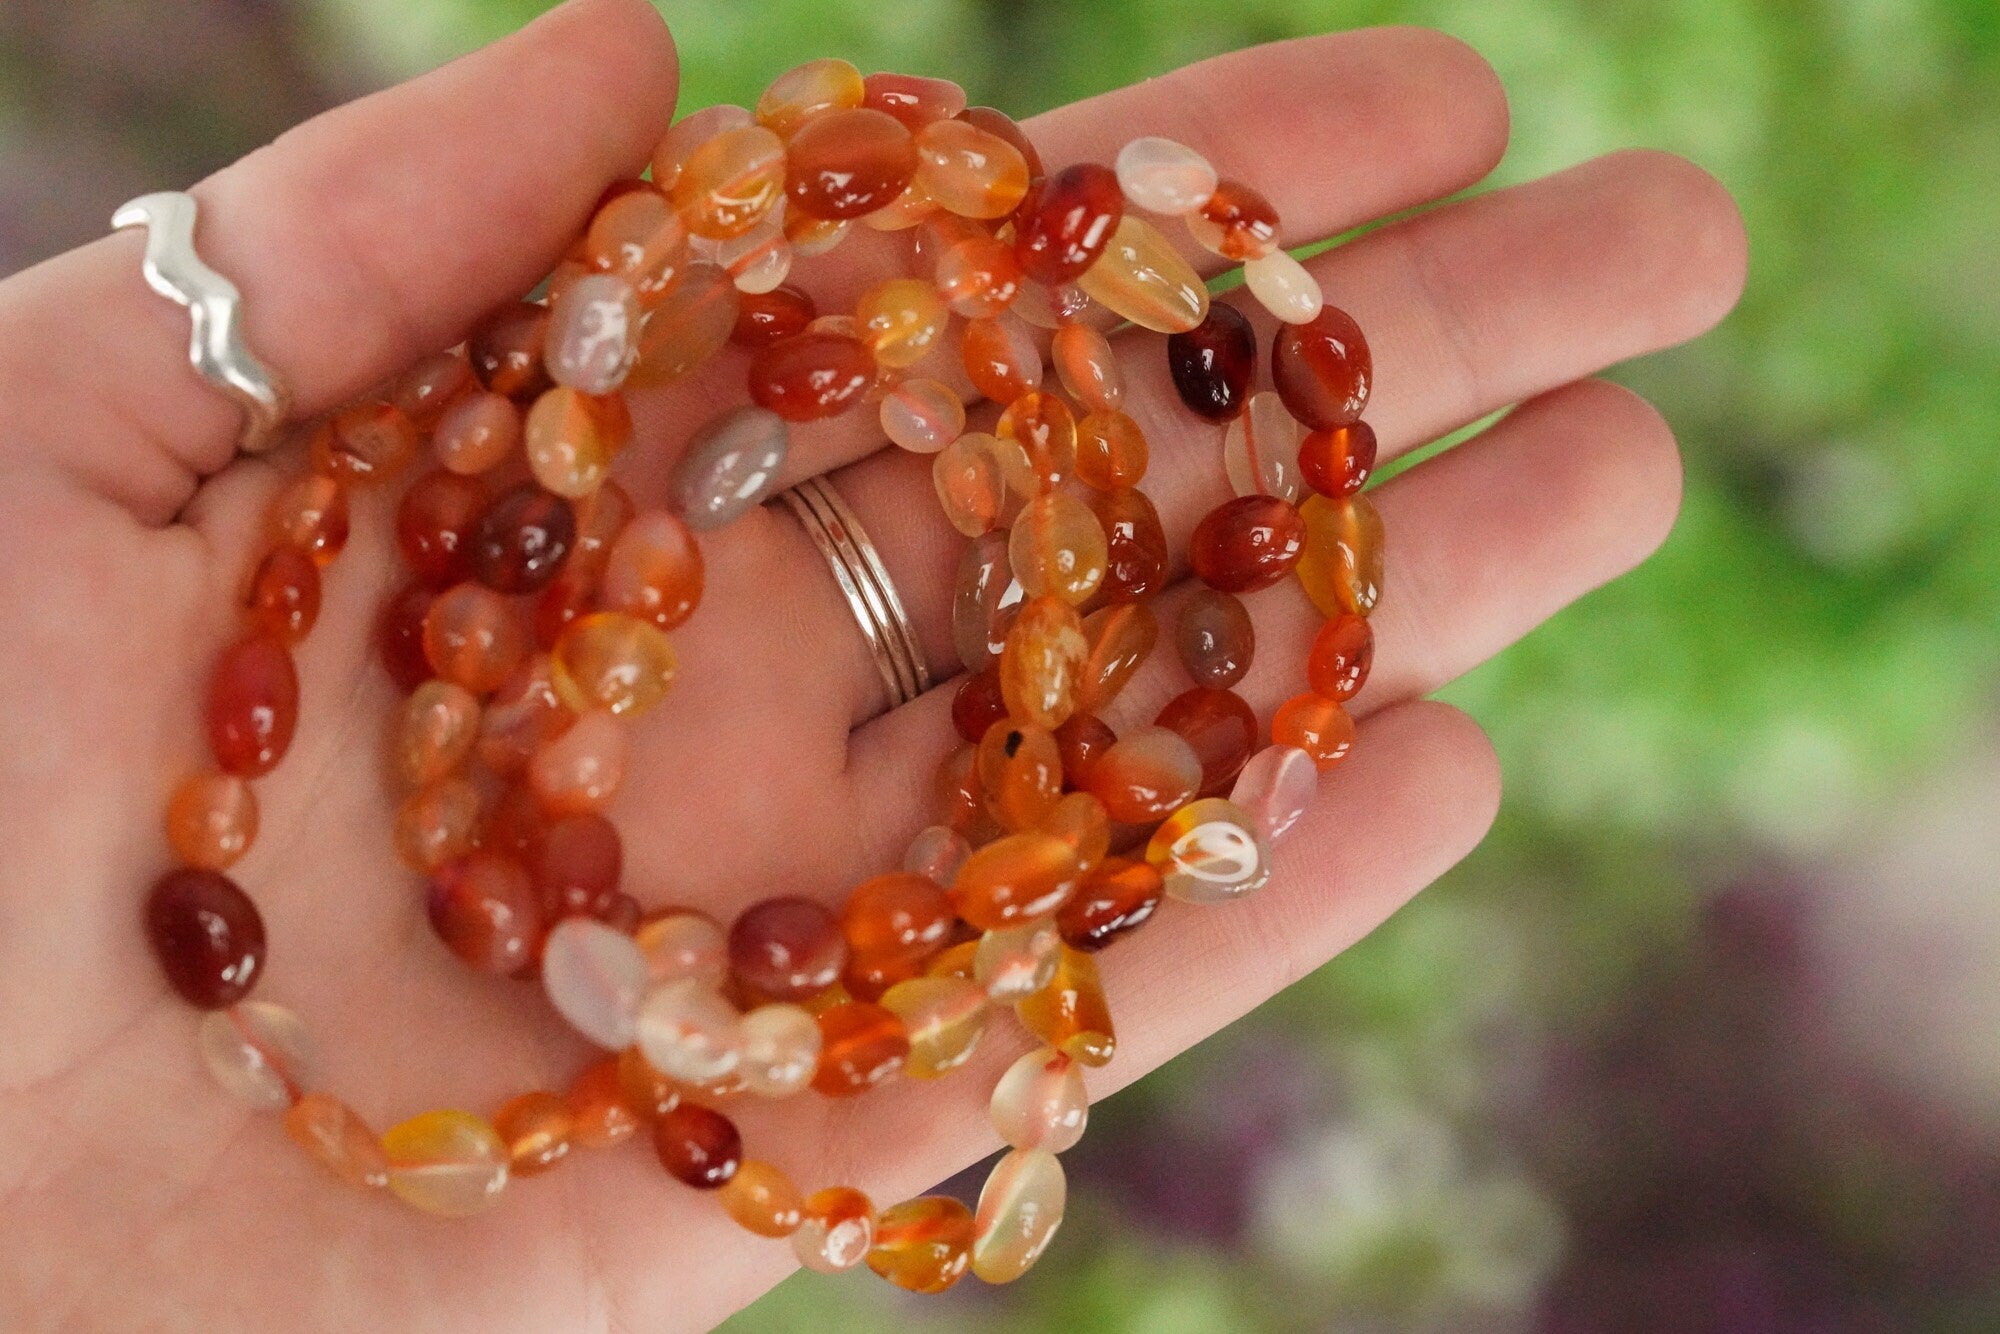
1478, 305
361, 240
1336, 130
1484, 543
1381, 829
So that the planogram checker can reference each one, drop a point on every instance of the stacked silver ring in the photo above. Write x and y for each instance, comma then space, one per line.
863, 580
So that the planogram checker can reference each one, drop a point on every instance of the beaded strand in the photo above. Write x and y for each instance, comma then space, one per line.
541, 599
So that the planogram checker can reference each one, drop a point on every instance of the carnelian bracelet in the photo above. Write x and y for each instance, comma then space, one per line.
535, 625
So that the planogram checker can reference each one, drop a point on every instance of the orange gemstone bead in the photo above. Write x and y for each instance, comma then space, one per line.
944, 1017
1111, 451
688, 326
1081, 821
729, 184
484, 907
638, 237
898, 913
1144, 279
913, 99
1318, 726
601, 1111
1070, 1013
764, 318
477, 433
1019, 1211
1057, 548
614, 662
524, 715
977, 704
1222, 728
848, 162
570, 438
762, 1199
969, 171
1214, 363
1119, 895
977, 274
1342, 652
1322, 369
981, 481
432, 385
861, 1045
1236, 223
1001, 357
438, 824
434, 522
924, 1245
1209, 851
535, 1127
1135, 544
473, 637
1339, 460
1020, 773
1083, 738
212, 820
995, 121
1149, 772
338, 1140
1042, 662
1015, 878
435, 732
284, 593
1121, 637
399, 637
365, 444
576, 865
812, 376
1247, 543
447, 1163
687, 134
1066, 222
520, 540
808, 91
1045, 428
901, 320
1341, 568
1088, 368
654, 571
253, 706
923, 416
310, 513
836, 1230
207, 936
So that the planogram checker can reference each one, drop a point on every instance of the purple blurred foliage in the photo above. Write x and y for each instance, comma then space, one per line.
1186, 1171
1726, 1167
112, 98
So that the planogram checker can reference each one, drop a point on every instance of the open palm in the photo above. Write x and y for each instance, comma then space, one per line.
135, 1193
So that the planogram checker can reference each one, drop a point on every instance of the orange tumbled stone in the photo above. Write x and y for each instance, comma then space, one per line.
1341, 654
366, 444
913, 99
861, 1045
252, 706
1042, 662
448, 1163
1020, 772
924, 1245
1135, 544
977, 274
1247, 543
970, 171
1119, 895
762, 1199
310, 513
808, 91
1323, 369
639, 237
485, 909
1001, 357
729, 184
1339, 460
836, 1229
848, 162
1221, 727
1121, 636
1111, 451
535, 1127
283, 597
505, 348
815, 375
687, 326
1070, 1013
1014, 879
338, 1140
1318, 726
1341, 566
601, 1110
474, 637
212, 820
899, 913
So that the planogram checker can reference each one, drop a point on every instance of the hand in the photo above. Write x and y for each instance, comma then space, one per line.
137, 1193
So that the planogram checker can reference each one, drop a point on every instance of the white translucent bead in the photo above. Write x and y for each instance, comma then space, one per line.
1016, 962
1260, 450
780, 1050
1285, 287
595, 977
258, 1051
593, 334
1020, 1209
759, 260
937, 852
1040, 1103
923, 416
1275, 788
684, 945
1209, 851
1164, 176
689, 1032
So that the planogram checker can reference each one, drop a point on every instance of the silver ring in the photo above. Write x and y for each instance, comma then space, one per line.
216, 347
864, 581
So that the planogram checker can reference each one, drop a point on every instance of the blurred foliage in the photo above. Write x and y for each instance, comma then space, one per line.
1824, 622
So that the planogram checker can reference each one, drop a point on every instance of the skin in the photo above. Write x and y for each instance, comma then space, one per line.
136, 1194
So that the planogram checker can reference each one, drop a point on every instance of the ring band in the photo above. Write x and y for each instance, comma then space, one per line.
215, 347
859, 571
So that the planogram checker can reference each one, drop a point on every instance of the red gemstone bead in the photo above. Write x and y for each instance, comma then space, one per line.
1339, 460
913, 99
253, 706
787, 948
506, 351
1237, 222
1222, 728
699, 1145
1081, 741
1119, 895
844, 164
1342, 652
861, 1045
994, 121
1135, 544
399, 637
521, 539
764, 318
434, 525
1214, 363
283, 597
1322, 369
1247, 543
811, 376
484, 908
978, 704
207, 935
1066, 222
577, 865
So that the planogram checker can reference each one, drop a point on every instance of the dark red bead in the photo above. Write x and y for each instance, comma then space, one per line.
284, 594
699, 1145
1339, 460
506, 351
1214, 363
399, 637
484, 908
1117, 896
1222, 728
1066, 221
1082, 741
577, 865
1322, 369
764, 318
811, 376
1135, 544
520, 541
434, 523
1247, 543
1342, 652
207, 935
253, 706
787, 948
978, 705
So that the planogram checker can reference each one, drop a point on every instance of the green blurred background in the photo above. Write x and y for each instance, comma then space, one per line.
1704, 1037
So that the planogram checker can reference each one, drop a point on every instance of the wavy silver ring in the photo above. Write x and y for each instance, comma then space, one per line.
216, 348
